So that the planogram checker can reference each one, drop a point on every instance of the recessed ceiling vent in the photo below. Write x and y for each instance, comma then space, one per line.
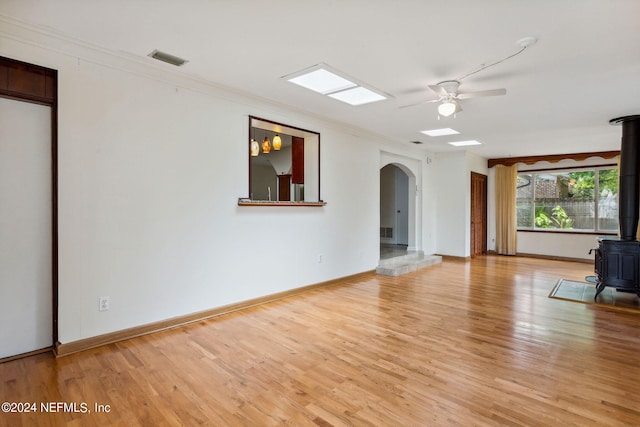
169, 59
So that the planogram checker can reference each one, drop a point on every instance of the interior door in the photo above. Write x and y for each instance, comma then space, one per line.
25, 228
402, 207
478, 214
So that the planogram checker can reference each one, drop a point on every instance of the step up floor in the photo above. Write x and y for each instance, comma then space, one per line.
412, 261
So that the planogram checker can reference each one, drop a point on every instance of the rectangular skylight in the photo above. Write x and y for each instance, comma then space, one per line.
322, 81
465, 143
440, 132
357, 96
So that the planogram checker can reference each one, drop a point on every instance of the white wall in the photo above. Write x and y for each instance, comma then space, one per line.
452, 204
556, 244
428, 209
454, 200
151, 165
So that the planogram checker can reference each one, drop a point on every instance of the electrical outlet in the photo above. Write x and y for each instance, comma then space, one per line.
103, 304
319, 259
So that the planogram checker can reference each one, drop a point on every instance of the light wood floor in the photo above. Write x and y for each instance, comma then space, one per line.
460, 343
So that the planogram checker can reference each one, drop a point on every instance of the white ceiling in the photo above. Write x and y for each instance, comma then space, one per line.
561, 92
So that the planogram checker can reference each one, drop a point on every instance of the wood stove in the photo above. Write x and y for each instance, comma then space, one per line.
617, 259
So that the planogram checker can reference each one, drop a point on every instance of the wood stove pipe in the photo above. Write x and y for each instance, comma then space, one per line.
629, 184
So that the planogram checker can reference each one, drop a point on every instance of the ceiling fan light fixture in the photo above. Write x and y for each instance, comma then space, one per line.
447, 108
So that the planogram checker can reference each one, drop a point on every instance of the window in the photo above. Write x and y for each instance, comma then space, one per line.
583, 200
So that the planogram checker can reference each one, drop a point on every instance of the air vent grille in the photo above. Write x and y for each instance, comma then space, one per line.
168, 58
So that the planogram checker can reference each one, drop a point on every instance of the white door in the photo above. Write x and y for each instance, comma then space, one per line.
25, 228
402, 207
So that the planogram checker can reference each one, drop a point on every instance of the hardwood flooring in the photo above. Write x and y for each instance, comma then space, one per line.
460, 343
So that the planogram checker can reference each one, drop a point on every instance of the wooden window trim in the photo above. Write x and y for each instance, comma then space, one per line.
553, 158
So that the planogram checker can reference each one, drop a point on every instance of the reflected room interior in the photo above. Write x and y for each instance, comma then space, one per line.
284, 163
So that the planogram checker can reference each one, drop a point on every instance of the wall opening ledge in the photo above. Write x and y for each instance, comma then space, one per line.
249, 202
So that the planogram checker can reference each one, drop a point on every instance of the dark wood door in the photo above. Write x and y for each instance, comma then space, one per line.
284, 188
297, 157
478, 214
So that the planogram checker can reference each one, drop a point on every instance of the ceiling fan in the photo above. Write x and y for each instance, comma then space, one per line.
448, 90
449, 95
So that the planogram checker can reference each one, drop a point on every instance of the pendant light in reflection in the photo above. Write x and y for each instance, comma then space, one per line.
254, 147
266, 145
277, 142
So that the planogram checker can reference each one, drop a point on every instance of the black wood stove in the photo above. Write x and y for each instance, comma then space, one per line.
617, 259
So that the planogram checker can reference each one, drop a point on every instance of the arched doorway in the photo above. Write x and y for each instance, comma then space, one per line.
394, 208
399, 205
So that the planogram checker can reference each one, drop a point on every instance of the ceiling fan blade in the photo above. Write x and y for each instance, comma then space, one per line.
420, 103
479, 94
438, 90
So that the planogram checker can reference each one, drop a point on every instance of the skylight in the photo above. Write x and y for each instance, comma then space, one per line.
465, 143
440, 132
357, 96
323, 79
